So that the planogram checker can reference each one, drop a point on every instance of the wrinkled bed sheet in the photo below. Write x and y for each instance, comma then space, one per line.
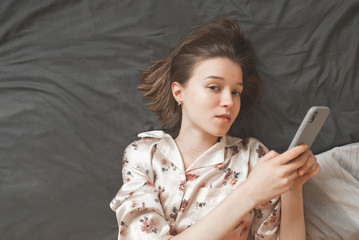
69, 104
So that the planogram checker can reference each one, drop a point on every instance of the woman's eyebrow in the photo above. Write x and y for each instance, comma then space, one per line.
221, 78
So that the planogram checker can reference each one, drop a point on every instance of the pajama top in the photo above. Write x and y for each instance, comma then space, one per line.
159, 199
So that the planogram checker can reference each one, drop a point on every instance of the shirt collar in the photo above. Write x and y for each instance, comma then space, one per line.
166, 145
230, 141
214, 155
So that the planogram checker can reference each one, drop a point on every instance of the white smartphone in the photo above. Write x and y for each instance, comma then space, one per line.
310, 126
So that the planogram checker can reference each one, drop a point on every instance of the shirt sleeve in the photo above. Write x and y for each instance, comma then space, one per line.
266, 220
138, 210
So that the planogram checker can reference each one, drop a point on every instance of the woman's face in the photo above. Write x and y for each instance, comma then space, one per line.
211, 97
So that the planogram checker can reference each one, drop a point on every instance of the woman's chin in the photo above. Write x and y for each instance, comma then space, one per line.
219, 132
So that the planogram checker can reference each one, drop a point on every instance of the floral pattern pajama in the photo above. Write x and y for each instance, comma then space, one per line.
159, 199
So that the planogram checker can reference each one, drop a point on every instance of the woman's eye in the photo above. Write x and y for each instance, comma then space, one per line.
236, 93
214, 88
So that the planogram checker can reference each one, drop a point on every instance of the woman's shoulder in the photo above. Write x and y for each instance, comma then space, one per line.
250, 149
146, 142
251, 145
137, 151
245, 142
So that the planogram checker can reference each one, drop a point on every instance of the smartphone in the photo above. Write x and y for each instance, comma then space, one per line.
310, 126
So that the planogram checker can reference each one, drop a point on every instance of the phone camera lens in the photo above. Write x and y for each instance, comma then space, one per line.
314, 116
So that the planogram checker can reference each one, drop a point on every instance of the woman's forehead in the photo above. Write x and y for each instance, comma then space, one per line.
222, 69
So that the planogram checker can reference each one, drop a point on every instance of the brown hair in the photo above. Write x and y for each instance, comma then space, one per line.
222, 38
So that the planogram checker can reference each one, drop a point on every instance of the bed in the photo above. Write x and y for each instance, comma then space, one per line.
69, 104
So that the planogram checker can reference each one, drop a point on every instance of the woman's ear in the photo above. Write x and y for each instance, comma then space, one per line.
177, 92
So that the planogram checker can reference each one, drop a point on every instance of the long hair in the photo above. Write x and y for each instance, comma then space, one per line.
222, 38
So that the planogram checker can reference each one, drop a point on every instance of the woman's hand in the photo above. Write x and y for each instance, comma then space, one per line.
277, 173
292, 200
310, 169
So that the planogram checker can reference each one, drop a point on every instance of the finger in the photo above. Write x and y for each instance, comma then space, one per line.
293, 175
269, 155
291, 154
318, 169
314, 170
297, 163
311, 174
309, 165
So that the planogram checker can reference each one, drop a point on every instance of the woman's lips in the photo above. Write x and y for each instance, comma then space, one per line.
224, 118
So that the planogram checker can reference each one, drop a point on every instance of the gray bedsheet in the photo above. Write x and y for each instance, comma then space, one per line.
69, 104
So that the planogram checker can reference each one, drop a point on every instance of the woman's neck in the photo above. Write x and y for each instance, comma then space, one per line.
192, 144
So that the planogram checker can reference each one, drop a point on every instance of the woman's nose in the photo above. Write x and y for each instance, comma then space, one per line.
226, 99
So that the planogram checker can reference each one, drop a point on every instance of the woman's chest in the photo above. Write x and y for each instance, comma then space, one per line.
187, 196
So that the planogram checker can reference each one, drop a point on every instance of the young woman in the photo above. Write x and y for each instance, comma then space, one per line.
205, 184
